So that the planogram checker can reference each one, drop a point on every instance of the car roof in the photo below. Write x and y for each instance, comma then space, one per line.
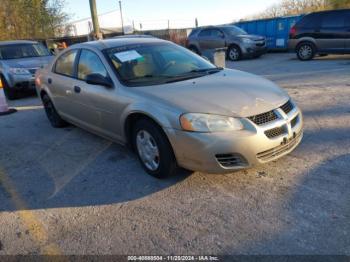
119, 42
134, 36
215, 27
16, 42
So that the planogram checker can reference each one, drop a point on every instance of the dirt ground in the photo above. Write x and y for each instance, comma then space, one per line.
65, 191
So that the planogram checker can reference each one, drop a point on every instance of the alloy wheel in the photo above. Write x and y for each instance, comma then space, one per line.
233, 54
148, 150
305, 52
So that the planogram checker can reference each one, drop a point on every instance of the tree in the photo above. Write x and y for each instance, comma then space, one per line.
31, 19
339, 4
297, 7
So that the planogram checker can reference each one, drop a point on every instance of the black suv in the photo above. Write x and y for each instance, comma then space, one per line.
321, 33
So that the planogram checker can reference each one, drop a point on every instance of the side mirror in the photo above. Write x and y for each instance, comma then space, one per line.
98, 79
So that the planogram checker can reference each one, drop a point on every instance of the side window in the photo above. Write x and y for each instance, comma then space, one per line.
204, 33
65, 63
333, 20
310, 21
217, 33
347, 19
90, 63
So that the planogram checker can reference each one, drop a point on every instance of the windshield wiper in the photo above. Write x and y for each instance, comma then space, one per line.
207, 70
193, 74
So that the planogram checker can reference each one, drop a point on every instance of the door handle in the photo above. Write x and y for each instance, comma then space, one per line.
77, 89
49, 81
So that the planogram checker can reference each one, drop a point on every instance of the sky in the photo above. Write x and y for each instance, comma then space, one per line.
177, 11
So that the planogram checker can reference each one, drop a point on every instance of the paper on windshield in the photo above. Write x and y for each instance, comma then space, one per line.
128, 56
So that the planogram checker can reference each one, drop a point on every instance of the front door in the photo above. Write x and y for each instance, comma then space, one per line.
95, 106
217, 39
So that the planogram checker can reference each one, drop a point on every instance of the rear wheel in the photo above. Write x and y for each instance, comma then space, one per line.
153, 149
306, 51
52, 115
234, 53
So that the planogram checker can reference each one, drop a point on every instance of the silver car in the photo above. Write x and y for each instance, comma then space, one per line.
174, 108
18, 62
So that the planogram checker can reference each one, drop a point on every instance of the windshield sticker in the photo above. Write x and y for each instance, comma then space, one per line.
128, 56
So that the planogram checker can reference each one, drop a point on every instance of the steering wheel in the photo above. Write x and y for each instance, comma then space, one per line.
168, 65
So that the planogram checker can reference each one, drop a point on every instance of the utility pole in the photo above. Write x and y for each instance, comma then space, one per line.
94, 17
121, 15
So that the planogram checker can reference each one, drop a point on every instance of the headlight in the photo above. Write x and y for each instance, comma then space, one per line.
209, 123
247, 41
19, 71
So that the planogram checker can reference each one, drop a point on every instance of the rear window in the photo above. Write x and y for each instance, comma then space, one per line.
193, 32
205, 32
333, 20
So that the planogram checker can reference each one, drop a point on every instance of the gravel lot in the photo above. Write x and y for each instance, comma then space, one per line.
65, 191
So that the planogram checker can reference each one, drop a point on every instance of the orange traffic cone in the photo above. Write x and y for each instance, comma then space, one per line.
4, 109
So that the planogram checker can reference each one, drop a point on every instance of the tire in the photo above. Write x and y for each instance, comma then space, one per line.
194, 49
234, 53
9, 92
306, 51
51, 113
153, 149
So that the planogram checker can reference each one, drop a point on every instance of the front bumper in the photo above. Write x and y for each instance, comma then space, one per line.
21, 82
209, 152
253, 50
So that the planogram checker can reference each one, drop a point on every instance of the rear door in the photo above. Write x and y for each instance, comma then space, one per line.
204, 39
61, 79
332, 33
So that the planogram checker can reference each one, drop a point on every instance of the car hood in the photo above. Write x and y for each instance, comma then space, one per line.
32, 62
230, 92
253, 37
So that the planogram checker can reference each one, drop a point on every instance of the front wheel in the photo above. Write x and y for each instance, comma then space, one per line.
306, 51
234, 53
153, 149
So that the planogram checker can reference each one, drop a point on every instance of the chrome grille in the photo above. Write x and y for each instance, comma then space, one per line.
275, 132
231, 160
287, 107
32, 71
264, 118
279, 150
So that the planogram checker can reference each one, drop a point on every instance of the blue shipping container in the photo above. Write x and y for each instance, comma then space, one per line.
276, 30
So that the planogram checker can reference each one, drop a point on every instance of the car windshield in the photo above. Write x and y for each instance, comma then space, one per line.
151, 64
16, 51
234, 30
